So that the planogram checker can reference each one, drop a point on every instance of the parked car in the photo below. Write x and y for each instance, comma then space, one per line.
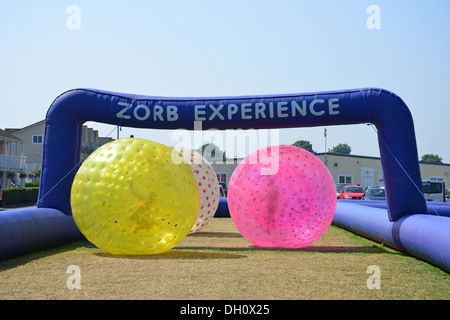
223, 189
351, 192
434, 190
447, 194
375, 193
339, 186
222, 192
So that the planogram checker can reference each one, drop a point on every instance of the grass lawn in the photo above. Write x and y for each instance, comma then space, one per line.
218, 263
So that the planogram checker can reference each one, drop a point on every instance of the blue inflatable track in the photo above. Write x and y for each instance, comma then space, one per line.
425, 236
51, 224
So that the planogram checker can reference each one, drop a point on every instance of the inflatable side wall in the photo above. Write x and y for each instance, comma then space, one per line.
51, 223
424, 236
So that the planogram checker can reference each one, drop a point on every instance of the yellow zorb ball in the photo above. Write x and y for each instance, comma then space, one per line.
130, 198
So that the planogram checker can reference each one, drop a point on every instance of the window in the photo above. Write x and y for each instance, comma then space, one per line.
335, 164
37, 140
345, 179
354, 189
222, 177
376, 192
432, 187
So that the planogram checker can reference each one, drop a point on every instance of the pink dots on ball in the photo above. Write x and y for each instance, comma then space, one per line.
282, 197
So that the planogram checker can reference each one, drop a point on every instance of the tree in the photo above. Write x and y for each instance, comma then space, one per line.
211, 151
433, 158
304, 145
341, 148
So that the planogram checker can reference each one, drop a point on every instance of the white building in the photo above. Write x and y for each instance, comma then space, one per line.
27, 144
32, 137
367, 171
12, 159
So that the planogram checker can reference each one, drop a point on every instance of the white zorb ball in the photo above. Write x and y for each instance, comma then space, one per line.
207, 185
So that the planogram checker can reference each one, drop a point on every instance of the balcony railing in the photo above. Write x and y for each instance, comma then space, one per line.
12, 163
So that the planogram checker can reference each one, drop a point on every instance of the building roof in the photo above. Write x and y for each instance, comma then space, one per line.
13, 130
345, 155
9, 136
373, 158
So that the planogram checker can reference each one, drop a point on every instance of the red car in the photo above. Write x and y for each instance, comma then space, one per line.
352, 192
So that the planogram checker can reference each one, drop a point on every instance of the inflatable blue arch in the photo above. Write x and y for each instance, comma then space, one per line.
404, 222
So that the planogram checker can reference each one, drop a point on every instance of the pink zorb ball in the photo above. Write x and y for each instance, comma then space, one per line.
282, 197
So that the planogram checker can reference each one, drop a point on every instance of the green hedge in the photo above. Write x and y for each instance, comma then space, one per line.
13, 196
31, 184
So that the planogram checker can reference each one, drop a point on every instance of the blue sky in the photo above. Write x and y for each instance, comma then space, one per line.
228, 48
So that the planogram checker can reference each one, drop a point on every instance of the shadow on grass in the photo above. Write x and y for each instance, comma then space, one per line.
36, 255
216, 235
176, 254
314, 249
331, 249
